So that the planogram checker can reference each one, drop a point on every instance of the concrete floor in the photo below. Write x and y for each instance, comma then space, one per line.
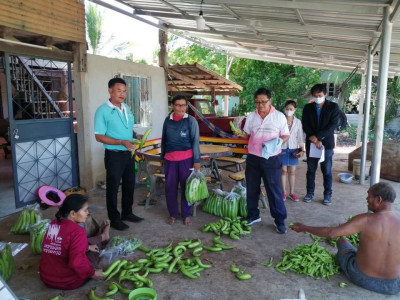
218, 282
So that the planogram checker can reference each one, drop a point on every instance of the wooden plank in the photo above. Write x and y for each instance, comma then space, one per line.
43, 53
188, 79
69, 34
242, 151
39, 11
217, 140
37, 17
63, 7
61, 19
59, 35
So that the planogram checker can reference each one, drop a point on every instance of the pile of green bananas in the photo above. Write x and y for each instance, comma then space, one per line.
222, 204
7, 264
308, 259
196, 188
232, 227
38, 231
28, 217
241, 191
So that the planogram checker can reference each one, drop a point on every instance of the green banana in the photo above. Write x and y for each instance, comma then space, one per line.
234, 129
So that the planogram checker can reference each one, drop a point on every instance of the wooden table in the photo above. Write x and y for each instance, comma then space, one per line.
214, 151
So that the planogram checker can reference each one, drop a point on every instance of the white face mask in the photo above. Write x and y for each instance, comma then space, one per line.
319, 100
289, 113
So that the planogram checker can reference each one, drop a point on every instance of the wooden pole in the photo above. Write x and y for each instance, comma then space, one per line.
163, 54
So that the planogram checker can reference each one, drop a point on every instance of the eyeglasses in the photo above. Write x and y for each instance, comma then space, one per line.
261, 102
180, 105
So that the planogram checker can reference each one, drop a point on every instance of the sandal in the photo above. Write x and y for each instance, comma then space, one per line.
187, 221
171, 220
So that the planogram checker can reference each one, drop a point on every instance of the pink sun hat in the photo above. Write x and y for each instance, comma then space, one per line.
46, 191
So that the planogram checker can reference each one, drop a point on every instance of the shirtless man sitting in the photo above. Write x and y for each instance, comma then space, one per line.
375, 265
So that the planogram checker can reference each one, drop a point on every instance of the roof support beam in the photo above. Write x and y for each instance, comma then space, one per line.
368, 80
183, 13
381, 99
368, 9
272, 25
395, 13
275, 41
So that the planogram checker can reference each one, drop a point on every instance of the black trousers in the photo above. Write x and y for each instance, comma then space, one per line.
270, 171
119, 164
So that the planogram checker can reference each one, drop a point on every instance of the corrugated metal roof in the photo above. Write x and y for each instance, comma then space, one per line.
323, 34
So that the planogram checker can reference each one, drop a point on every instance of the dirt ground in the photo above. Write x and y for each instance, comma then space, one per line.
218, 282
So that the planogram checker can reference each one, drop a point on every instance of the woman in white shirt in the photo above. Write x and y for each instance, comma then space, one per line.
291, 150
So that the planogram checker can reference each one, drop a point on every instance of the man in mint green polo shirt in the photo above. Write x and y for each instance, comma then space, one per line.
113, 126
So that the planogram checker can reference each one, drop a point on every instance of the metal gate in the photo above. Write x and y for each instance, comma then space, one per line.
41, 113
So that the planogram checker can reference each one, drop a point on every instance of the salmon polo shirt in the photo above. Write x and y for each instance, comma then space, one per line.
263, 130
114, 122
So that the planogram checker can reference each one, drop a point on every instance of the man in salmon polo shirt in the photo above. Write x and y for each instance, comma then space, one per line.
265, 128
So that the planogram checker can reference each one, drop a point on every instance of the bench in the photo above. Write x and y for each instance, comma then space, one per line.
149, 157
228, 141
240, 178
237, 161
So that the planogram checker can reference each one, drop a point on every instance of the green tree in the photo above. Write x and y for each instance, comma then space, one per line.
284, 81
191, 53
94, 21
100, 44
349, 82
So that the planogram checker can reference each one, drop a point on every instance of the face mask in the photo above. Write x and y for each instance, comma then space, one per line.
289, 113
319, 100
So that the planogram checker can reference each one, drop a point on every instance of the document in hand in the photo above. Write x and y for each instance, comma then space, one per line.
317, 153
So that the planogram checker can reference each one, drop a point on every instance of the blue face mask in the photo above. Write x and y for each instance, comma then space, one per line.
319, 100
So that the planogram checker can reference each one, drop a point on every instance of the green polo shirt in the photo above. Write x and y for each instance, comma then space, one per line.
116, 123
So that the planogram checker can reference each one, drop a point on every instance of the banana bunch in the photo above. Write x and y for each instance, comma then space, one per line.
38, 231
196, 187
233, 227
241, 191
222, 204
7, 264
234, 129
28, 217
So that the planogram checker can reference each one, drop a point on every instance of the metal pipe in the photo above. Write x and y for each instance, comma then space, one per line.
361, 102
367, 107
381, 101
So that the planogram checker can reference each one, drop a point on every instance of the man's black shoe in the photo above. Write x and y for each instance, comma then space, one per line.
132, 218
119, 225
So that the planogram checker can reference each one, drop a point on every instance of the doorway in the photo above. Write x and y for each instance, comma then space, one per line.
37, 109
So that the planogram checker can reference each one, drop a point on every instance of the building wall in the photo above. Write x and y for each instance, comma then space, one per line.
95, 93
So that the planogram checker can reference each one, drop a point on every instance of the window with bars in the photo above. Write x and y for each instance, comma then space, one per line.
138, 98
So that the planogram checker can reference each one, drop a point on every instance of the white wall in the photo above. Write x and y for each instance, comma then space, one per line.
100, 71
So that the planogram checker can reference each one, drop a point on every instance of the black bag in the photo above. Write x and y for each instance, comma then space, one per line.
342, 122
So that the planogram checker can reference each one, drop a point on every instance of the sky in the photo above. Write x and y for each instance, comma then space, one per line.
143, 36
